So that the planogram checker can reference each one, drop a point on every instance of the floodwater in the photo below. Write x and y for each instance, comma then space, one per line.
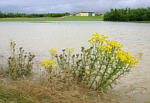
38, 37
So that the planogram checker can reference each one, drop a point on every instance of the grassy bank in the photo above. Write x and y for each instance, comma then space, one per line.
68, 18
131, 21
57, 90
140, 21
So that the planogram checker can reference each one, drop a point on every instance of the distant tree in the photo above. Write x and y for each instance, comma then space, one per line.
127, 14
98, 14
2, 15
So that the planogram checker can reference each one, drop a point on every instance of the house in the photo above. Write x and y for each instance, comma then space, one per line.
85, 14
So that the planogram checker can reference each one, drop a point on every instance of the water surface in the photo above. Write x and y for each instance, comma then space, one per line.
39, 37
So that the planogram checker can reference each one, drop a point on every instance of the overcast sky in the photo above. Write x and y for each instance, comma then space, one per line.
59, 6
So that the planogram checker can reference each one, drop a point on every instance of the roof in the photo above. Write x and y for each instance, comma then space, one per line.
86, 12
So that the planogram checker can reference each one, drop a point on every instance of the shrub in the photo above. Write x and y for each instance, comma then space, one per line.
12, 15
128, 14
99, 66
21, 64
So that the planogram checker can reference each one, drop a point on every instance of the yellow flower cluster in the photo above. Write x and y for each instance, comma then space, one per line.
126, 57
110, 46
98, 38
92, 41
114, 43
87, 72
53, 50
104, 36
106, 48
69, 50
49, 63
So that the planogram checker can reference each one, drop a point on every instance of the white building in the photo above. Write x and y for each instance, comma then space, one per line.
85, 14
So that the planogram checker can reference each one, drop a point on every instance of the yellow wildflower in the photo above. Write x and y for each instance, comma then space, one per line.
96, 35
87, 72
92, 41
114, 43
69, 50
104, 36
53, 50
107, 48
101, 47
126, 57
46, 62
119, 67
101, 39
99, 55
49, 62
110, 70
112, 60
54, 66
89, 50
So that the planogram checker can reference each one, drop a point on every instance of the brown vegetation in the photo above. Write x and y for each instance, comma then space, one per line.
56, 90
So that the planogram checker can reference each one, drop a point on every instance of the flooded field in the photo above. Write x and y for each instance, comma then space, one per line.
38, 37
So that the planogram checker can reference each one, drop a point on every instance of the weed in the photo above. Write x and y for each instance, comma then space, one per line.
19, 65
99, 66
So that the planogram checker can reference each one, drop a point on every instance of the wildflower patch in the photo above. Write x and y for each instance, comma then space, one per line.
99, 66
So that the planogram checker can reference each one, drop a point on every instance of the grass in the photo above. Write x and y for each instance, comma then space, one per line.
140, 21
67, 18
131, 21
134, 21
57, 90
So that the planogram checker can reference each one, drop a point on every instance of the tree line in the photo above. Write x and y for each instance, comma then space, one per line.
13, 15
127, 14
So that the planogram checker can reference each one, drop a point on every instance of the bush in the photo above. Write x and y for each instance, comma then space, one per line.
127, 14
99, 66
13, 15
19, 65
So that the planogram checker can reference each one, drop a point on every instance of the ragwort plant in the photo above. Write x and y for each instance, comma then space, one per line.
99, 66
20, 64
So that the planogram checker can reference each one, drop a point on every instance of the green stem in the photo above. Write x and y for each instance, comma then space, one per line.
104, 74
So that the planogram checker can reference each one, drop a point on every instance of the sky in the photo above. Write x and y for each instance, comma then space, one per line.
60, 6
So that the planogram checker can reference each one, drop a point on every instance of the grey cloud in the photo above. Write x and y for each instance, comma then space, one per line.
44, 6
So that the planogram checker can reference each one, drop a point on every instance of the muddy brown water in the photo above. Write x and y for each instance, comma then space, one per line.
39, 37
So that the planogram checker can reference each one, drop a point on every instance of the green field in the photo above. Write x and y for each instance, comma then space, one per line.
68, 18
141, 21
